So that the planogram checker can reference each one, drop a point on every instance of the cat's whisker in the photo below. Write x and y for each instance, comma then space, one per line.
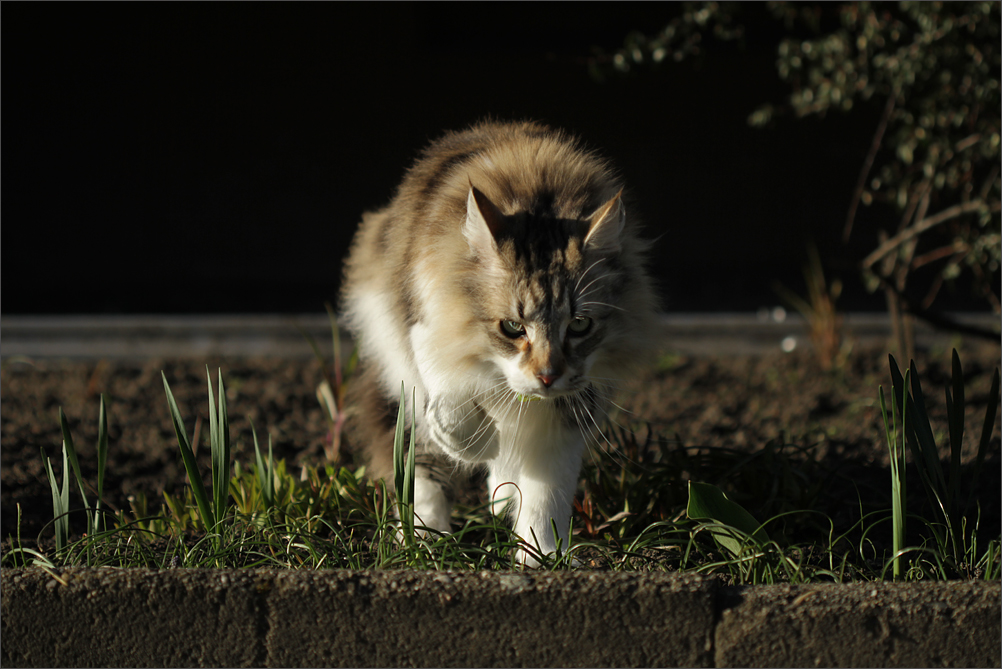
585, 273
606, 393
606, 389
615, 453
579, 423
485, 424
598, 429
588, 290
597, 432
518, 419
574, 403
497, 394
584, 291
607, 381
624, 410
601, 304
594, 438
481, 394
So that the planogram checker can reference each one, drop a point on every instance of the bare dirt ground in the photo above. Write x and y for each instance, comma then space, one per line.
723, 401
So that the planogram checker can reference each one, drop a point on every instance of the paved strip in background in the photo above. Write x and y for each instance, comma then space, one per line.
263, 617
143, 337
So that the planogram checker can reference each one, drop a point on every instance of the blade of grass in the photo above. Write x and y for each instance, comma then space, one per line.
74, 464
888, 426
898, 482
190, 466
213, 434
219, 440
927, 443
214, 449
409, 468
986, 434
901, 397
60, 499
102, 459
891, 431
398, 451
402, 483
955, 418
265, 474
923, 431
899, 490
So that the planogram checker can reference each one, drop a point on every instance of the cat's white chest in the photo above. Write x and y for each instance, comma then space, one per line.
527, 425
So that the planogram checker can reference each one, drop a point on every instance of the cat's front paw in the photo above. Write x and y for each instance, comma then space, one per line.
432, 509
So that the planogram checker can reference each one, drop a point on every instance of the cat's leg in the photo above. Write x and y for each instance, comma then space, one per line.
538, 489
433, 492
432, 507
371, 427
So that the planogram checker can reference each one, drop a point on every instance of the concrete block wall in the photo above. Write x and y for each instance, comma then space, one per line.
264, 617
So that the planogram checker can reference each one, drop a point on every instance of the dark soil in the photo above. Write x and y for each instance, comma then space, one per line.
737, 402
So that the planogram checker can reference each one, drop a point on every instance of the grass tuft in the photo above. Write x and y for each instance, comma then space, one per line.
646, 502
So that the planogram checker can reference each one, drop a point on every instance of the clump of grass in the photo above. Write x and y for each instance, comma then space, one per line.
646, 502
60, 500
954, 530
819, 310
266, 473
894, 429
733, 529
211, 512
61, 493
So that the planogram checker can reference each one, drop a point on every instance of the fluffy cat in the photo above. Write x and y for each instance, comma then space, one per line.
505, 283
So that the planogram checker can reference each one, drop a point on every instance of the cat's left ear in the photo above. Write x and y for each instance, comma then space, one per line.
605, 226
484, 222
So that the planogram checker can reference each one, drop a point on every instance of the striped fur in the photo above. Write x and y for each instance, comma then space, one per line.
505, 269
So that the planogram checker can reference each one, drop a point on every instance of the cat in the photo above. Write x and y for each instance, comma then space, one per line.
505, 284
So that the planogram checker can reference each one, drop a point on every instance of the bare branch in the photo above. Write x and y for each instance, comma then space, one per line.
989, 182
878, 138
967, 142
939, 254
937, 320
913, 202
920, 227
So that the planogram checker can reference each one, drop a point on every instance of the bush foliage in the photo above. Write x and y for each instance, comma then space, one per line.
933, 68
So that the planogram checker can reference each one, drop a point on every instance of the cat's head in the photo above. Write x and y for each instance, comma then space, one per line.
551, 293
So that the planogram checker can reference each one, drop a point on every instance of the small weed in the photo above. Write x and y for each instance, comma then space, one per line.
823, 318
953, 529
332, 390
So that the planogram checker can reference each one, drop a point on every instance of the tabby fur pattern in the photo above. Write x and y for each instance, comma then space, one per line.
505, 286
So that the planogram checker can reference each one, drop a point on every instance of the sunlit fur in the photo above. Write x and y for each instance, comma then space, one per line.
501, 222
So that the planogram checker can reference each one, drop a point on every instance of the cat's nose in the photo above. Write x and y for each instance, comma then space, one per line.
548, 377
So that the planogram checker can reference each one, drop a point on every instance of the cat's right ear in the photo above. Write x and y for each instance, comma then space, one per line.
606, 226
484, 222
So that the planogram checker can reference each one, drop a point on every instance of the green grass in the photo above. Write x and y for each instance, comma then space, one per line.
952, 536
646, 502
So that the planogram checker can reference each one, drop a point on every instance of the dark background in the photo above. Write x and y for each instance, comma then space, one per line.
217, 157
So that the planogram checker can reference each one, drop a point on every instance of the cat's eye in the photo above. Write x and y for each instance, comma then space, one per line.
512, 329
579, 326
